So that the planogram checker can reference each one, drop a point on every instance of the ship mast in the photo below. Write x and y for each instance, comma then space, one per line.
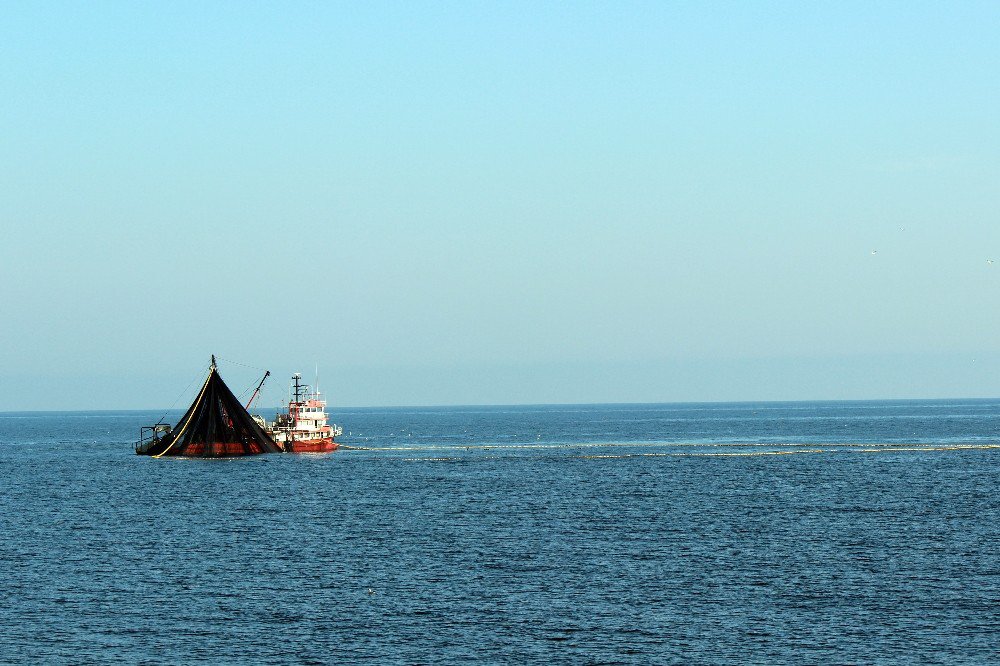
299, 388
267, 373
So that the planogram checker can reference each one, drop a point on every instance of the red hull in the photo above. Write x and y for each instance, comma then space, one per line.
312, 446
218, 450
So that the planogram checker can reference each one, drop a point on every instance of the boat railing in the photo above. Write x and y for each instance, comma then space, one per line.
151, 434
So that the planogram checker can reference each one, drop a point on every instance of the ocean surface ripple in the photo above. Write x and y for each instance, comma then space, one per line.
855, 532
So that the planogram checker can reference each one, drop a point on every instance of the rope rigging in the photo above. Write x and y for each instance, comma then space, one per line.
252, 367
178, 398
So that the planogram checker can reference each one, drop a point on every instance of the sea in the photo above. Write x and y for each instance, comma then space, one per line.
750, 533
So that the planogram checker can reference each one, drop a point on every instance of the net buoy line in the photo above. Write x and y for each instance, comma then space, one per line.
580, 445
839, 450
782, 449
729, 454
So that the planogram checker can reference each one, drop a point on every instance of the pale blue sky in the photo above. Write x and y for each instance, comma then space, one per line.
462, 202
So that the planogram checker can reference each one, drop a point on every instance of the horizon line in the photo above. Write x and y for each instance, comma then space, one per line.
536, 404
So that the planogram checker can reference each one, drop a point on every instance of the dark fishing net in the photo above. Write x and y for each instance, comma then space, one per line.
216, 425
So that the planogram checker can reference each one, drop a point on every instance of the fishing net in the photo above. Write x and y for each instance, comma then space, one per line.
216, 425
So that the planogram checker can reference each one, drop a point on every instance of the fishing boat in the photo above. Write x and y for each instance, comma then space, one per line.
304, 426
218, 425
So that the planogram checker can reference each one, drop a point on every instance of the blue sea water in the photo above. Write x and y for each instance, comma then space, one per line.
856, 532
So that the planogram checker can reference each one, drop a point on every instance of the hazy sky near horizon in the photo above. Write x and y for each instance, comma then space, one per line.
512, 202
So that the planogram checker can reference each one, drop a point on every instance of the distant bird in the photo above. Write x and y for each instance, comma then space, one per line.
371, 591
874, 252
989, 261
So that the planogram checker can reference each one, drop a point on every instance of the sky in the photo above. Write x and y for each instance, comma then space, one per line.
499, 202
